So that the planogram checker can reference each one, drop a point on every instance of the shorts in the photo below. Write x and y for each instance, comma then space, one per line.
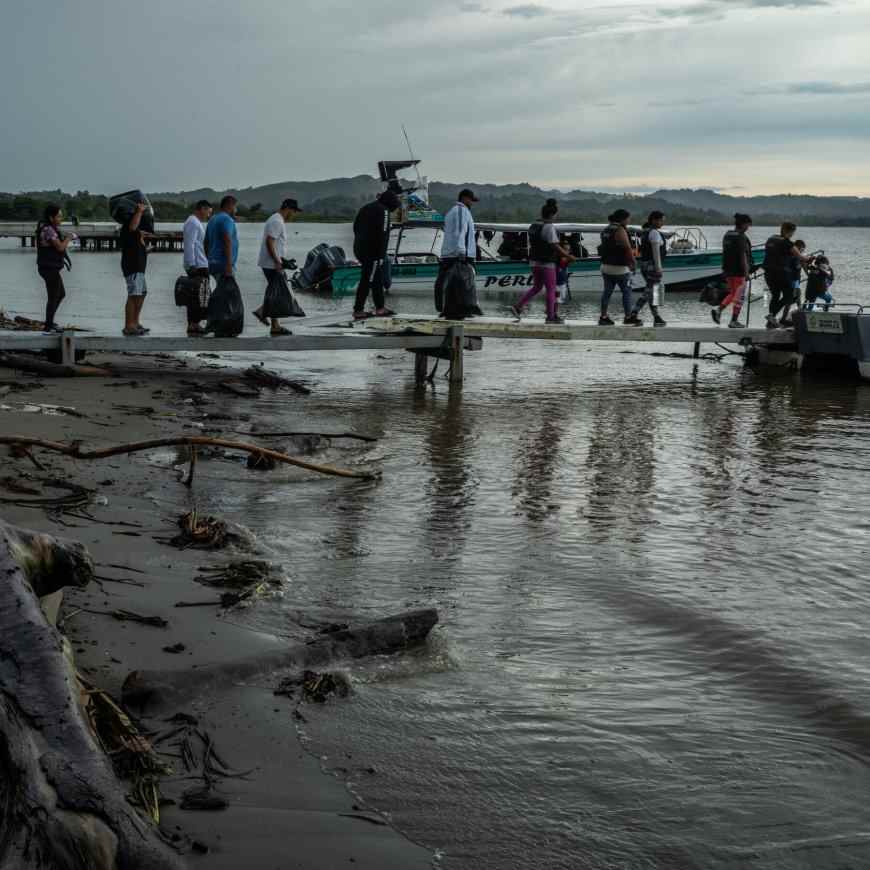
136, 285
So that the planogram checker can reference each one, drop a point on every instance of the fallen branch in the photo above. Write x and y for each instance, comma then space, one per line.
52, 370
264, 377
305, 434
76, 452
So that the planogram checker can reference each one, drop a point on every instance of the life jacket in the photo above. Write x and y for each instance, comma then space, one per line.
539, 250
48, 256
646, 249
734, 245
777, 255
611, 252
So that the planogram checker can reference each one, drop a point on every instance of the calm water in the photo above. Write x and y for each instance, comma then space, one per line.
651, 577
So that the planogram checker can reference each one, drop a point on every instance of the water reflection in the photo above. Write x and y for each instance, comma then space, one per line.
451, 490
537, 457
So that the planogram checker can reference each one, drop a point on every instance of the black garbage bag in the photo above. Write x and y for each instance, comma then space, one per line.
226, 311
713, 293
279, 301
460, 291
123, 205
186, 290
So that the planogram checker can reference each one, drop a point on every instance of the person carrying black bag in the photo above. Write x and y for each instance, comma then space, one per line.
459, 244
371, 234
278, 301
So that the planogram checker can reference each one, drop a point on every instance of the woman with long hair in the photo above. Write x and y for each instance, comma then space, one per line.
545, 252
51, 257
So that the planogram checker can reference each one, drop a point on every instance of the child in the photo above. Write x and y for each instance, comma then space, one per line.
820, 277
796, 276
563, 286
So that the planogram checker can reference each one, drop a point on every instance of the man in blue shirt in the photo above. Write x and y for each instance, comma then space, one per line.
222, 239
459, 240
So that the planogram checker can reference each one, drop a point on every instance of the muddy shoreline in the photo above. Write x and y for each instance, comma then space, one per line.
286, 812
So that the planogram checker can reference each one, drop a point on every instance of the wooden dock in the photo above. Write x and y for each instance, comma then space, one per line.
424, 336
92, 236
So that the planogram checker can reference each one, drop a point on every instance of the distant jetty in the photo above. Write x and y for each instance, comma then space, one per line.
92, 236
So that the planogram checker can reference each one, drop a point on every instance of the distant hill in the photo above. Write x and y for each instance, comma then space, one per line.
799, 207
339, 199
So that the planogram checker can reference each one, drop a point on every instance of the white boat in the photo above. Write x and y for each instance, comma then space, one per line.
502, 266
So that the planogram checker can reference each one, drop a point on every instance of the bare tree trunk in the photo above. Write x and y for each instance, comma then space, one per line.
61, 805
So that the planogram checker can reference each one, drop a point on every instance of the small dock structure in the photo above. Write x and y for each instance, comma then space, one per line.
92, 236
424, 336
819, 340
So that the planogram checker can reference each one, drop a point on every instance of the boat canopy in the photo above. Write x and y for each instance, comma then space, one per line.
512, 228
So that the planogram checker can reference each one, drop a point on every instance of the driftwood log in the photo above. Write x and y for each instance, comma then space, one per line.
150, 691
75, 450
47, 369
61, 805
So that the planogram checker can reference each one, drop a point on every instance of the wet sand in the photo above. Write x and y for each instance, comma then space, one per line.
287, 813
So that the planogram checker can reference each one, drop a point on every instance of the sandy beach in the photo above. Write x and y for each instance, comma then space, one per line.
286, 812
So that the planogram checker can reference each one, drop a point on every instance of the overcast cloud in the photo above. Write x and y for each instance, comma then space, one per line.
751, 95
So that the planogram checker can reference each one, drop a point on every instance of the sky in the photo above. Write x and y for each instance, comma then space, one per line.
743, 96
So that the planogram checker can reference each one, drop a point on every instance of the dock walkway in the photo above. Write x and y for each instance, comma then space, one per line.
425, 336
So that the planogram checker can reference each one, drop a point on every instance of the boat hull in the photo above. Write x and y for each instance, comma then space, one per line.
506, 279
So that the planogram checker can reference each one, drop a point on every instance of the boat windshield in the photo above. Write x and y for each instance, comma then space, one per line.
508, 242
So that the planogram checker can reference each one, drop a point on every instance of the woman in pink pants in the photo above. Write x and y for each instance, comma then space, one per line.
545, 252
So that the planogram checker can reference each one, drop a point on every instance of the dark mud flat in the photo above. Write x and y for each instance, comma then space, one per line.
284, 812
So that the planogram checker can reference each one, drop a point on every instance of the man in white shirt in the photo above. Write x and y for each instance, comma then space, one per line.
459, 242
196, 265
271, 260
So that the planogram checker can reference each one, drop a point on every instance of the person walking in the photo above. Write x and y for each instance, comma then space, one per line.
196, 265
653, 250
273, 249
737, 266
222, 239
545, 253
134, 261
780, 254
459, 243
51, 257
617, 266
371, 234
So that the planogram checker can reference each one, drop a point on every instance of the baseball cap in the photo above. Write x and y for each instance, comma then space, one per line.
466, 192
291, 203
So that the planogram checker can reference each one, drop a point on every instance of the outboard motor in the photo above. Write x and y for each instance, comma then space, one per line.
122, 206
320, 263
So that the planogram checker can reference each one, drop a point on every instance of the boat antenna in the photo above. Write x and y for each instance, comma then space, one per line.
411, 152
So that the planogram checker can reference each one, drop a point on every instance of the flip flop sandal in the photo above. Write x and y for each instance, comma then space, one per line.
387, 312
362, 315
131, 332
260, 318
281, 331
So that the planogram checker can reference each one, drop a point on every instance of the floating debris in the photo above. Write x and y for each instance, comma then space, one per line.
132, 755
315, 687
203, 533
